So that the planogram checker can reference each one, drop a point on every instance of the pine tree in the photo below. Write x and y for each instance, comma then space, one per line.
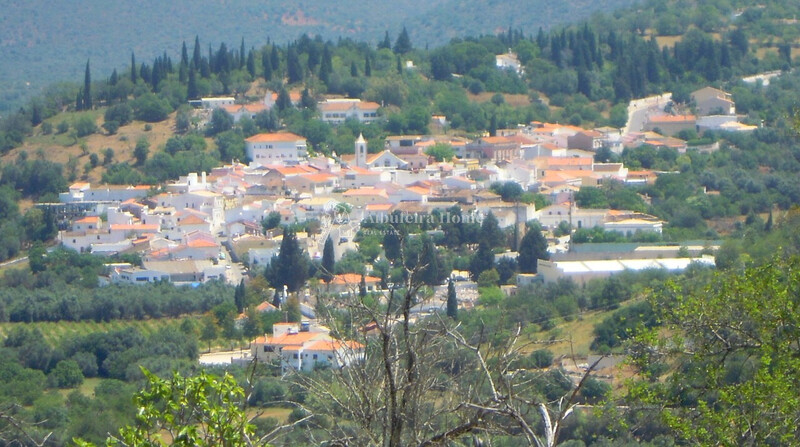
482, 260
391, 244
328, 261
431, 272
403, 43
290, 266
491, 232
294, 71
387, 44
532, 248
133, 68
452, 300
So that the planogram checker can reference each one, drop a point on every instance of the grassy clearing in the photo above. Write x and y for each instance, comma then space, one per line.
569, 336
515, 100
55, 331
86, 388
278, 413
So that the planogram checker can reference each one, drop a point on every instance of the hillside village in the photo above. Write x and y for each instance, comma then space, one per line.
331, 242
212, 225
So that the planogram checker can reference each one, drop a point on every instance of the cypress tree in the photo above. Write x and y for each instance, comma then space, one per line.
114, 78
367, 66
183, 73
191, 90
79, 100
328, 261
362, 287
196, 56
326, 66
133, 68
284, 101
266, 66
275, 58
353, 69
431, 273
251, 63
239, 296
184, 54
241, 55
452, 300
768, 225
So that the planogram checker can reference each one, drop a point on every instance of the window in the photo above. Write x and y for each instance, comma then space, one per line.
315, 356
294, 356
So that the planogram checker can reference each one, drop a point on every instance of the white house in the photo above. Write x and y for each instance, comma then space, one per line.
336, 111
509, 61
282, 147
304, 347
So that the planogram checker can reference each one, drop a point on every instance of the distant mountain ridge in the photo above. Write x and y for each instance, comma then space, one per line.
42, 42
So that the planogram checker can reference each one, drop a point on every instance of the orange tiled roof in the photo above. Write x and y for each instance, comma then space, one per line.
192, 219
90, 219
379, 206
347, 105
333, 345
252, 108
201, 243
353, 279
132, 227
366, 191
279, 137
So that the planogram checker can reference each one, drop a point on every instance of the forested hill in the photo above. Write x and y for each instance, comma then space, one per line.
40, 41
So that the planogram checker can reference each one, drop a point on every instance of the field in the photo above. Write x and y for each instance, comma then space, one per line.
55, 331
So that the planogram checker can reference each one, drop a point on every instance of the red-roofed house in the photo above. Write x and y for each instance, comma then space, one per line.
493, 148
237, 111
350, 282
304, 347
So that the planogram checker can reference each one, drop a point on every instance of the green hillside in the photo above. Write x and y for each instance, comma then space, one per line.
39, 41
